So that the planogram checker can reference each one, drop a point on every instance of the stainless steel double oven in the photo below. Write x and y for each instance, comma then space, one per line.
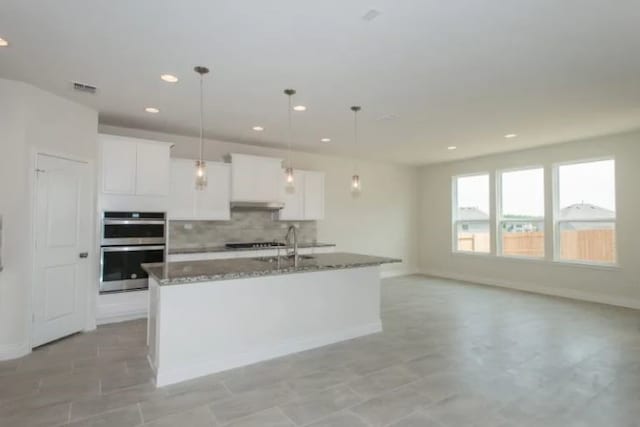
128, 240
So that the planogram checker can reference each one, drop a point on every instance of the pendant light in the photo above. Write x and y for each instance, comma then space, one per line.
290, 184
356, 184
201, 166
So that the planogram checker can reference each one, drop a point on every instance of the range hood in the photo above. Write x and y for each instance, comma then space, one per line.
263, 206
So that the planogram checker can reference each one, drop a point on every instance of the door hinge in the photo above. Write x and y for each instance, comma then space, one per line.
38, 170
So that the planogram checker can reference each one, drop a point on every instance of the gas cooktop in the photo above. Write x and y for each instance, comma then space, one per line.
249, 245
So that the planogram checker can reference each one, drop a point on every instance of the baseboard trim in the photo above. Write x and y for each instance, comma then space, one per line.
543, 290
398, 273
14, 351
124, 317
194, 369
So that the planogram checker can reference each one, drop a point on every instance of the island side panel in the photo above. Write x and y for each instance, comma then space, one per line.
209, 327
152, 322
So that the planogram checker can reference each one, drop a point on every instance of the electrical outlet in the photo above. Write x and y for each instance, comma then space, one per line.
188, 226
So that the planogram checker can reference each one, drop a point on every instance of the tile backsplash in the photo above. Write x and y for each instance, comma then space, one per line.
244, 226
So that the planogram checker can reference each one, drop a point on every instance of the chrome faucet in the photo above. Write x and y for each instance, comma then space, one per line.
290, 231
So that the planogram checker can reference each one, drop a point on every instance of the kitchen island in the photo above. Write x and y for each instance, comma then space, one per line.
214, 315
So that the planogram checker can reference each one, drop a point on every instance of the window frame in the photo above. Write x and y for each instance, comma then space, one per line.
454, 214
557, 248
500, 219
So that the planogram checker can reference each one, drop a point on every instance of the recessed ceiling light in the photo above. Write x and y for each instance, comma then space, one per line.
3, 42
152, 110
510, 135
325, 140
258, 128
169, 78
452, 147
300, 108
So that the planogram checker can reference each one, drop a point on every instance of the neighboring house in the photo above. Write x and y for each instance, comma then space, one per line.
472, 214
585, 212
582, 212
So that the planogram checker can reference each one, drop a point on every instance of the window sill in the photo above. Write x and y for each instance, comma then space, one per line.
573, 264
593, 265
522, 258
474, 254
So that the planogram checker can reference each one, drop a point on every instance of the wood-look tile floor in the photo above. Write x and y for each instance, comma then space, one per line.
451, 354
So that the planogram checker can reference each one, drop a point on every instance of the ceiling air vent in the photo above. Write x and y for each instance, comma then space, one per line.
387, 117
83, 87
371, 15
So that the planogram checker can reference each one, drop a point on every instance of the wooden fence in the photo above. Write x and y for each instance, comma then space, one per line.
523, 244
585, 245
589, 245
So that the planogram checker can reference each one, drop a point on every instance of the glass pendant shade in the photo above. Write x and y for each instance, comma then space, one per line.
289, 173
289, 180
201, 175
356, 185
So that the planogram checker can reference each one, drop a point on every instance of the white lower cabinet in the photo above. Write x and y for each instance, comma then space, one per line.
187, 203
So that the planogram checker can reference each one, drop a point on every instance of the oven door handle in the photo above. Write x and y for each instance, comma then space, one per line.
131, 248
132, 222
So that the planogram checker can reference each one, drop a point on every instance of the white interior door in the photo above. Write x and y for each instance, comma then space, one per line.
61, 269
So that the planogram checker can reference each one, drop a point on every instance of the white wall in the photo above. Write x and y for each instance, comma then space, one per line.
32, 120
382, 221
619, 286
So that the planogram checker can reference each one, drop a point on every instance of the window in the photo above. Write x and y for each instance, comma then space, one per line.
586, 212
471, 214
521, 222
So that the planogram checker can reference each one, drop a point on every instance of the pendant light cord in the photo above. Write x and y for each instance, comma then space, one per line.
289, 135
201, 118
355, 139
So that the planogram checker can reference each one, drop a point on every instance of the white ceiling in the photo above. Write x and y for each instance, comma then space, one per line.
443, 73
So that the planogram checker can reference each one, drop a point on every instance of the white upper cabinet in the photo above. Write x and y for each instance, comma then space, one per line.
152, 169
182, 189
313, 195
118, 165
307, 201
294, 201
133, 166
212, 203
256, 179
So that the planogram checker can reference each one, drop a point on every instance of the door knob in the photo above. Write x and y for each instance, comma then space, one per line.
83, 254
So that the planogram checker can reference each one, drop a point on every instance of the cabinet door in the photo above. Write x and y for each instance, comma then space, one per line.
256, 179
118, 165
213, 203
271, 181
243, 177
293, 201
314, 195
152, 169
182, 189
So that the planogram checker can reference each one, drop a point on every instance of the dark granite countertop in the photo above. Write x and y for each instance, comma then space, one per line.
175, 273
206, 249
